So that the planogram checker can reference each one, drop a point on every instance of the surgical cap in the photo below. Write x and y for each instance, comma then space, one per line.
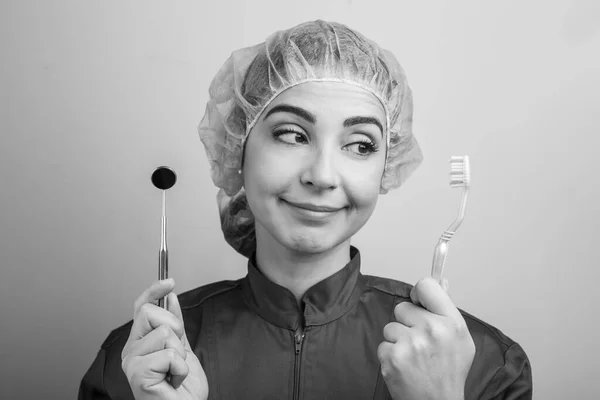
253, 77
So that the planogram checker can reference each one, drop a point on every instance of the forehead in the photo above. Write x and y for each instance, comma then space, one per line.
332, 99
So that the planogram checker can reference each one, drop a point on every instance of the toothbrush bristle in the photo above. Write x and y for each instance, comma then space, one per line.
460, 175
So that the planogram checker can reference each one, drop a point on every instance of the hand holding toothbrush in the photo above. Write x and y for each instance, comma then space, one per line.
427, 353
157, 358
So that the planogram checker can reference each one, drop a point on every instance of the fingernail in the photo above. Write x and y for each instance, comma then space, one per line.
167, 281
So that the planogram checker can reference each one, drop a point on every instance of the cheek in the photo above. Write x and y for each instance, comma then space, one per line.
362, 186
266, 169
363, 197
362, 182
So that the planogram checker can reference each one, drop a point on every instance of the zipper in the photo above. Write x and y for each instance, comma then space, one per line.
298, 340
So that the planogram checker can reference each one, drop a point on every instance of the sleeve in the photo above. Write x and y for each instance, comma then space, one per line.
92, 384
514, 380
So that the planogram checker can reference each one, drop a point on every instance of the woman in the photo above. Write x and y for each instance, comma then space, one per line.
303, 133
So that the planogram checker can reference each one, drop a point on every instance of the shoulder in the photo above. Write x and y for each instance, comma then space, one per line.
197, 297
499, 361
500, 366
191, 300
480, 328
106, 372
387, 286
401, 291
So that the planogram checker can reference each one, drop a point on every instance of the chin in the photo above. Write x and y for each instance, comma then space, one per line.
308, 243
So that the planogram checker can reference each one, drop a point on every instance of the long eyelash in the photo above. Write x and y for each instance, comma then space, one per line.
280, 132
374, 147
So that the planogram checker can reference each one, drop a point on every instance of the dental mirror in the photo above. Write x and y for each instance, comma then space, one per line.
163, 178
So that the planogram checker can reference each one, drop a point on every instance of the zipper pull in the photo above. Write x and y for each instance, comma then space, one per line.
298, 342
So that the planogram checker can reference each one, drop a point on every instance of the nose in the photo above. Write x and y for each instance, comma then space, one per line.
321, 172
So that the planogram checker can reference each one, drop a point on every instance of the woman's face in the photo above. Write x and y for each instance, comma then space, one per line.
313, 165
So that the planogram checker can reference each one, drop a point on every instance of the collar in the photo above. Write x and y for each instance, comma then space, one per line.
324, 302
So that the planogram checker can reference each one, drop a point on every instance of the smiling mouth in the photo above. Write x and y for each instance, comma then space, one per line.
314, 207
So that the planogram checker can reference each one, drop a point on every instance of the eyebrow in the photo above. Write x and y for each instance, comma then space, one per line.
301, 112
310, 117
363, 120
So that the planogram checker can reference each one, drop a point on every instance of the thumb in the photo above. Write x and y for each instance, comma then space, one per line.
446, 286
175, 309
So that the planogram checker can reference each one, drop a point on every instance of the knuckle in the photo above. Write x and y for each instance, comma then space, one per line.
418, 345
387, 330
164, 332
178, 328
139, 301
458, 329
381, 354
471, 347
401, 309
400, 306
435, 330
185, 369
136, 375
397, 357
386, 371
425, 284
125, 351
171, 354
125, 366
145, 308
419, 284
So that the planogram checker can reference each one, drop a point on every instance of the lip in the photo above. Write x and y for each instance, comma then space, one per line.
314, 207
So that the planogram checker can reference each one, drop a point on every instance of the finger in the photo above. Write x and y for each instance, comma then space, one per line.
156, 291
172, 363
175, 309
151, 317
428, 293
384, 350
177, 380
151, 369
159, 339
410, 314
414, 297
394, 332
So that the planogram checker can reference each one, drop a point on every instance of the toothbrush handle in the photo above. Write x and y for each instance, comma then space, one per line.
439, 260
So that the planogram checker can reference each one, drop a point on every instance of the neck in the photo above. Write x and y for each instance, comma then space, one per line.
297, 271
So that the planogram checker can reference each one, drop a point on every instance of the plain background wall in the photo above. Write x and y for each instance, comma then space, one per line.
96, 94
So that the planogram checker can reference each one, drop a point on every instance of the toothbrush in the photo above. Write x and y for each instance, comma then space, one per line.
460, 177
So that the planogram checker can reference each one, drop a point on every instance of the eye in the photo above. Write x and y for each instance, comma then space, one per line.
362, 148
290, 136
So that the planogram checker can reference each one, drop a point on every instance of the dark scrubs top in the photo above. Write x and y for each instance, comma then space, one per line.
254, 342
